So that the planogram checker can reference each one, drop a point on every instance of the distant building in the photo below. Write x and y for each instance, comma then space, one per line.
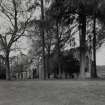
88, 57
22, 67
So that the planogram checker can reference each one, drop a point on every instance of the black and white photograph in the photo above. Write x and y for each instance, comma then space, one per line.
52, 52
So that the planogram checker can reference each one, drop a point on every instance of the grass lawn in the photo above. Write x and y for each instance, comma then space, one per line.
52, 92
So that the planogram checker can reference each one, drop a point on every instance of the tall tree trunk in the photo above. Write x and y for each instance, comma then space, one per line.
8, 73
47, 62
47, 66
58, 49
94, 71
82, 34
43, 40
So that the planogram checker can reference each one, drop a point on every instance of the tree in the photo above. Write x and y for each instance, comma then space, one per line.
82, 29
55, 15
86, 9
94, 72
81, 10
97, 14
43, 38
15, 12
77, 7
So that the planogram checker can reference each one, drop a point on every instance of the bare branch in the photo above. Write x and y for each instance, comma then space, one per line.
6, 13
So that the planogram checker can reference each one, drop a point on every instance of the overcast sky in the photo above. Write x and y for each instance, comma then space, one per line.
100, 57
